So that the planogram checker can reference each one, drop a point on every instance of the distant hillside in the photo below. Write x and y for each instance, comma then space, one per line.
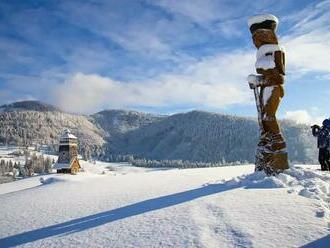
29, 105
22, 124
194, 136
208, 137
115, 122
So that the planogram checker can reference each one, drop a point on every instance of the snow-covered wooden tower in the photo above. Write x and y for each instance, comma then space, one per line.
68, 154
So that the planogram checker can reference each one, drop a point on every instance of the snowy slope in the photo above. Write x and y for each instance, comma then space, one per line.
115, 205
194, 136
115, 122
208, 137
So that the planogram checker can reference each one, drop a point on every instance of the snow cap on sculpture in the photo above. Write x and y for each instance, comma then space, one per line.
265, 21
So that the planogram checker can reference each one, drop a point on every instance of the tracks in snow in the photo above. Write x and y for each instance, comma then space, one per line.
215, 228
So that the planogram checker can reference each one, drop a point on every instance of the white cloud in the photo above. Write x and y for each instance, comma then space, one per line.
308, 52
198, 10
82, 93
313, 17
303, 117
135, 33
307, 45
214, 82
139, 40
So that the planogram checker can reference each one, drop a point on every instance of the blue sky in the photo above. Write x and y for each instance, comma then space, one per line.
161, 56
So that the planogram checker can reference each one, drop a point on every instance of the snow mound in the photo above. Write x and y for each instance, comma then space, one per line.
304, 182
50, 180
257, 179
310, 184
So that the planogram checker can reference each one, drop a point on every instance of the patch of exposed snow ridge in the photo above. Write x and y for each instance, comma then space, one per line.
50, 180
304, 182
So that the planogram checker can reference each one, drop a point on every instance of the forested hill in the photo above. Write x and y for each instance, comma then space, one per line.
208, 137
114, 122
29, 105
193, 136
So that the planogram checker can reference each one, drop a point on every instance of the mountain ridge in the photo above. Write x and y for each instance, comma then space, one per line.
30, 105
195, 136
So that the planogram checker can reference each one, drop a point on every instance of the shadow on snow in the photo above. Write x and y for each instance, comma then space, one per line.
95, 220
320, 243
255, 180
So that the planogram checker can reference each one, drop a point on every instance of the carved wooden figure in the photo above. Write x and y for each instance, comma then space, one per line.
271, 155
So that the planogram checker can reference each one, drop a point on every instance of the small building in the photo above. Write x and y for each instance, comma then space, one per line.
68, 154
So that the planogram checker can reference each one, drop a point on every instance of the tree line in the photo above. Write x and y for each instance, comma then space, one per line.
32, 164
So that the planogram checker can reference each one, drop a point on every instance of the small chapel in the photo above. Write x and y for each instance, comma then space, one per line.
67, 161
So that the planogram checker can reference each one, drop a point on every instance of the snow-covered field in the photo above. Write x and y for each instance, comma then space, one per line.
116, 205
